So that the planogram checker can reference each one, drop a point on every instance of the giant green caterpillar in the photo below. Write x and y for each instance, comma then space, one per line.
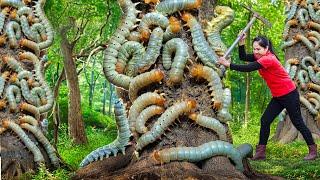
201, 46
292, 22
173, 29
170, 6
313, 25
129, 49
14, 3
292, 72
307, 59
308, 105
306, 41
140, 103
145, 115
312, 75
13, 31
3, 15
149, 19
12, 63
205, 151
225, 16
313, 14
289, 62
110, 60
214, 80
303, 78
38, 157
13, 95
223, 113
42, 139
303, 17
118, 144
164, 121
180, 48
153, 50
210, 123
293, 10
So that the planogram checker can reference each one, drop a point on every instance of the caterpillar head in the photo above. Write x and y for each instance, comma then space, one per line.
174, 24
5, 123
298, 37
160, 101
26, 2
119, 67
23, 42
173, 80
195, 5
151, 1
6, 58
3, 104
196, 70
158, 76
5, 10
13, 78
5, 75
13, 14
217, 105
156, 156
187, 17
144, 35
191, 104
193, 116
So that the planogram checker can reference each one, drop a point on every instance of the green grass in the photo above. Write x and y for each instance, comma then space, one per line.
282, 160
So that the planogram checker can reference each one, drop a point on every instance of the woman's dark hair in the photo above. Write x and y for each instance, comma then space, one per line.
265, 42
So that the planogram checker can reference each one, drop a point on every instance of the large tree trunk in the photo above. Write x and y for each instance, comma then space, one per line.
75, 121
298, 31
185, 133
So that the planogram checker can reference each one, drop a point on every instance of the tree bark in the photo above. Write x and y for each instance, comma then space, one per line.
76, 128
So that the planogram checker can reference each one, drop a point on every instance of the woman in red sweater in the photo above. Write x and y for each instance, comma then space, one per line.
283, 90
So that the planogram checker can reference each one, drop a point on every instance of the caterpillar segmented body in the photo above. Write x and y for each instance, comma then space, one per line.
118, 144
43, 20
24, 11
31, 109
293, 71
153, 50
313, 25
306, 41
214, 80
14, 3
13, 95
315, 41
110, 60
38, 157
314, 86
312, 75
205, 151
13, 63
313, 95
287, 27
224, 114
140, 103
145, 115
28, 119
303, 17
315, 17
289, 43
3, 15
303, 78
134, 36
180, 48
307, 59
225, 16
289, 62
13, 31
201, 46
26, 29
293, 10
210, 123
315, 102
168, 6
149, 19
44, 141
26, 93
144, 80
164, 121
31, 45
129, 49
173, 29
308, 105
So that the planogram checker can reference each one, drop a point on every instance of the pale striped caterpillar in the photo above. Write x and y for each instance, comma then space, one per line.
39, 92
312, 75
315, 34
225, 16
24, 75
289, 62
13, 95
31, 45
132, 49
118, 144
3, 15
180, 48
26, 93
12, 63
309, 45
315, 103
287, 44
313, 25
205, 151
30, 109
293, 71
110, 60
223, 113
153, 50
308, 105
145, 115
173, 29
315, 41
303, 17
38, 157
28, 119
313, 95
169, 6
214, 80
293, 10
13, 32
313, 86
149, 19
14, 3
307, 59
14, 79
201, 46
43, 19
39, 32
164, 121
317, 54
315, 17
49, 95
303, 78
140, 103
44, 141
24, 11
210, 123
287, 27
26, 29
144, 80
